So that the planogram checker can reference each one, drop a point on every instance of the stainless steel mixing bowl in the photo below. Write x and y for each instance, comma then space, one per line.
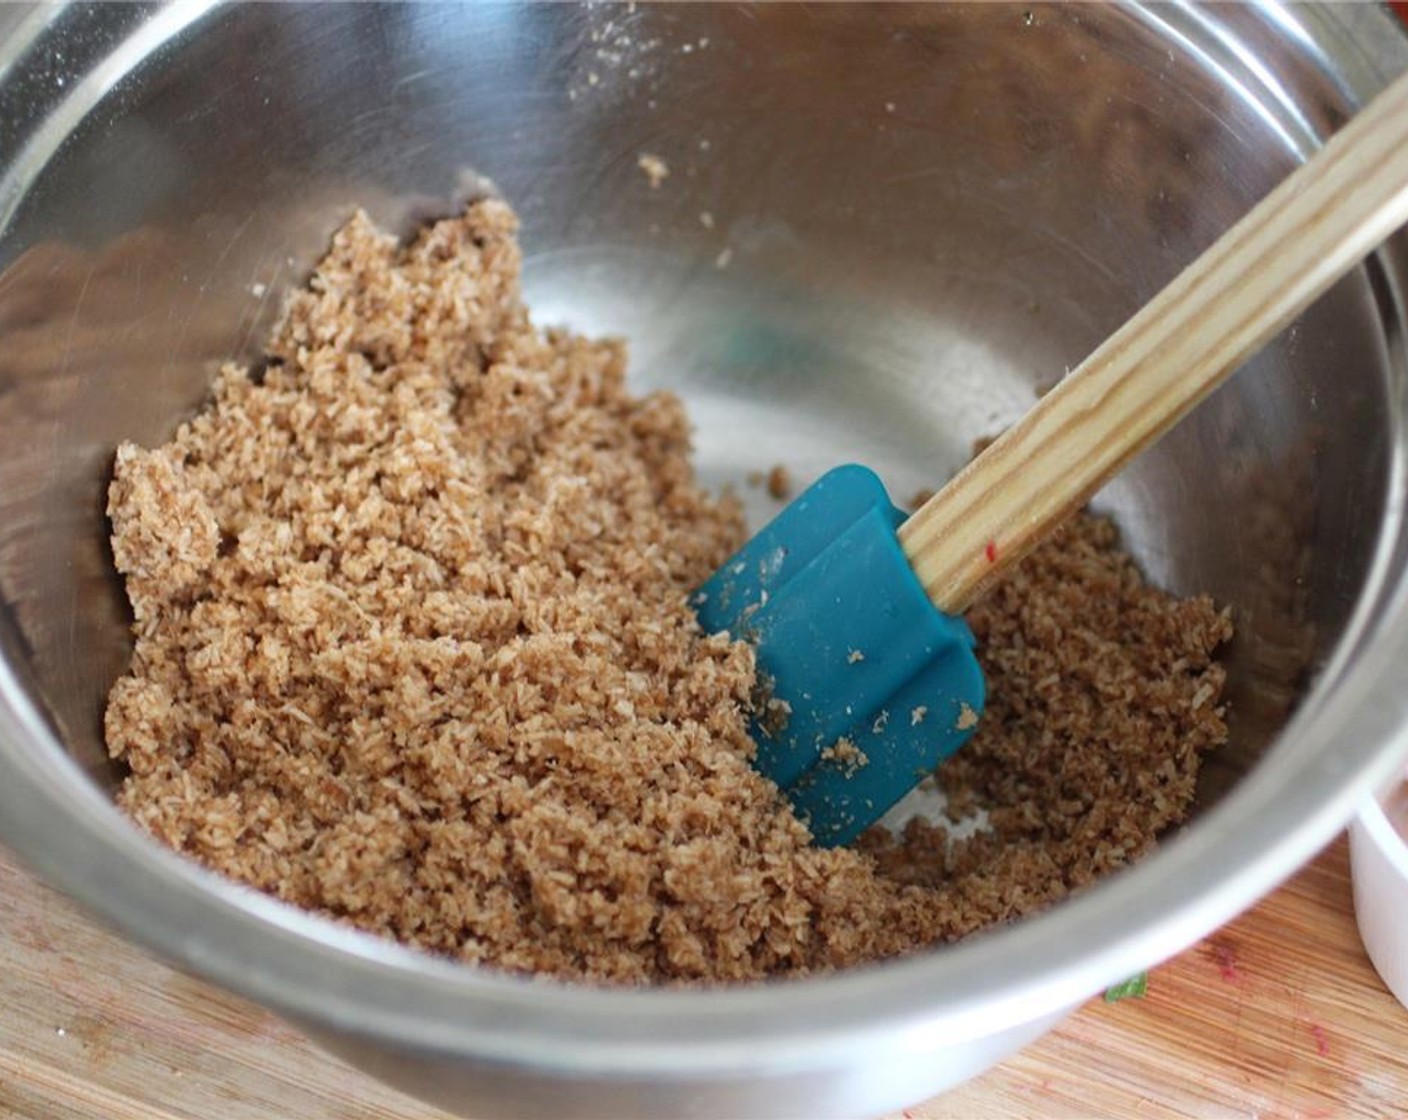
916, 216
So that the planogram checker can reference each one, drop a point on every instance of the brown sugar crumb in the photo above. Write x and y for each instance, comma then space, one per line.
916, 715
968, 718
656, 169
413, 650
779, 483
772, 713
845, 754
855, 657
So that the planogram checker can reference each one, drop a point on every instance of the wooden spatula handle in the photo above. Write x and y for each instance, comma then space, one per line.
1326, 217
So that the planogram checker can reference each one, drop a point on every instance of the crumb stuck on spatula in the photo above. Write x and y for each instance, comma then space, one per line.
845, 755
414, 651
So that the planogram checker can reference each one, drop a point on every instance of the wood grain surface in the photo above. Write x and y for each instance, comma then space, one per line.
1279, 1016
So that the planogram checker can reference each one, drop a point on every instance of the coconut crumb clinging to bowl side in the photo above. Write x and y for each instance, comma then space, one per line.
413, 651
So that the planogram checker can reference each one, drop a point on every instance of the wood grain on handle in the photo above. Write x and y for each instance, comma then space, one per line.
1326, 217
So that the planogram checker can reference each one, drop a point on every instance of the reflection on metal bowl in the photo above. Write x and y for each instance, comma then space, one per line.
917, 217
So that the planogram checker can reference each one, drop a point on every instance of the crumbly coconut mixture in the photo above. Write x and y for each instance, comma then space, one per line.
413, 651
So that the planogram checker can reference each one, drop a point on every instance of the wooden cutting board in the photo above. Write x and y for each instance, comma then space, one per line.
1279, 1016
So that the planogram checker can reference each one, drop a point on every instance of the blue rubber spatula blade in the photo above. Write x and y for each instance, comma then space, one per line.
855, 610
870, 686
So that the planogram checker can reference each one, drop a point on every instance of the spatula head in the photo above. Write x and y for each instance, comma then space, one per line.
867, 684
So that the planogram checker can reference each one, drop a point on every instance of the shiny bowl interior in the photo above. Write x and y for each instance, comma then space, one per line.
917, 218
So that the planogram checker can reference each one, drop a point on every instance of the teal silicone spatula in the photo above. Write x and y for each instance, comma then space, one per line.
855, 610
